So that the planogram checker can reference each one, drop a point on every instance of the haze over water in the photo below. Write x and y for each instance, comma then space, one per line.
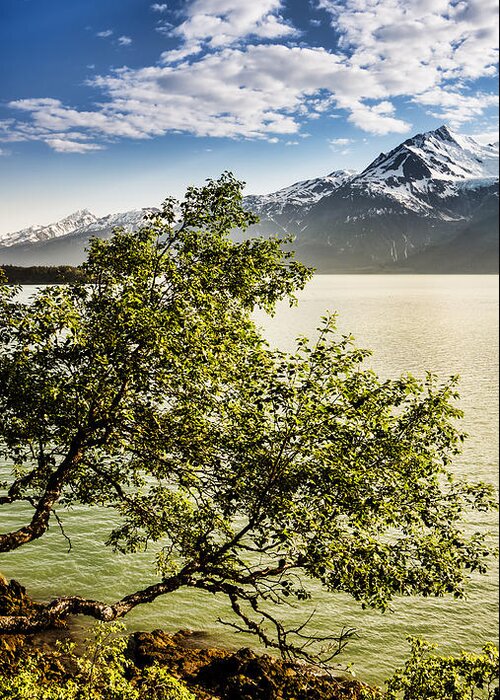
445, 324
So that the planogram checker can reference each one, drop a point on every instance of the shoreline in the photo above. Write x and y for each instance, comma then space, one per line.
210, 673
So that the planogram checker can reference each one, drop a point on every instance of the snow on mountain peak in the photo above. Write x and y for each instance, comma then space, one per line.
341, 174
129, 220
441, 155
36, 233
450, 155
81, 222
302, 194
433, 163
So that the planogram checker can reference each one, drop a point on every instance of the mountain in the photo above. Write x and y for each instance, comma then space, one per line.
424, 193
35, 234
303, 194
429, 205
474, 250
66, 248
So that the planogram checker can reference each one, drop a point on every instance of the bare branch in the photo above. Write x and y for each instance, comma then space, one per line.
61, 527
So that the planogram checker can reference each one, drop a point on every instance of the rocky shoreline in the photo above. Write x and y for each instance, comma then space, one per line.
209, 673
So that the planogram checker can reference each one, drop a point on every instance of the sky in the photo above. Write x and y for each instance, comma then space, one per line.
112, 105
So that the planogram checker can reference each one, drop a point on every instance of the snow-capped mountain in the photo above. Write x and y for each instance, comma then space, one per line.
431, 202
129, 220
424, 192
439, 163
434, 163
68, 247
33, 234
286, 208
302, 194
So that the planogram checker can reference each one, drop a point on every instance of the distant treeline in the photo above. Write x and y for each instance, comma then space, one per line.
42, 274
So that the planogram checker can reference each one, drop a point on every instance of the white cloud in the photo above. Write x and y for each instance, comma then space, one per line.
454, 107
414, 45
51, 116
121, 40
219, 23
340, 142
231, 75
256, 92
175, 55
66, 146
376, 119
259, 92
164, 28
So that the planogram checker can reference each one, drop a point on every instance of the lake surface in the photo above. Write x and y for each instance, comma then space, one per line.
445, 324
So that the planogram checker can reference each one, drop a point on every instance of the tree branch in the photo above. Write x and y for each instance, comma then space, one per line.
60, 609
40, 520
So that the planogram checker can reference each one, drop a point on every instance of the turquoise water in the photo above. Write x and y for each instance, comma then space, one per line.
447, 324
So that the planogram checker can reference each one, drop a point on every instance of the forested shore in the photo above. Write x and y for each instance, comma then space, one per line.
42, 274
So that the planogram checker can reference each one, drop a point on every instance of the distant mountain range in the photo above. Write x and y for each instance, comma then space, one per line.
64, 242
429, 205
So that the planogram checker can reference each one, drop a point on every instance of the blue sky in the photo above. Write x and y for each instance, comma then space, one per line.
113, 105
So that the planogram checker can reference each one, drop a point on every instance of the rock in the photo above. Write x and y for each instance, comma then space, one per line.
210, 673
172, 651
243, 675
13, 599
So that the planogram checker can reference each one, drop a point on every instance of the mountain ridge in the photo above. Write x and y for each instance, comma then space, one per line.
40, 232
420, 196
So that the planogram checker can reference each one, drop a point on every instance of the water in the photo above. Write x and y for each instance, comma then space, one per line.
446, 324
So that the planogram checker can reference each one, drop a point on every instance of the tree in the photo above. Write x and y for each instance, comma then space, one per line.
431, 676
151, 391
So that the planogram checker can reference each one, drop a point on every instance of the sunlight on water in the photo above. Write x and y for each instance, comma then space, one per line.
445, 324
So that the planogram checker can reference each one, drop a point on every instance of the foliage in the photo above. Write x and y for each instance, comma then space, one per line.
429, 676
101, 673
151, 391
159, 685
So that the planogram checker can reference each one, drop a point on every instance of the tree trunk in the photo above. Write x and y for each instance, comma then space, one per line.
19, 614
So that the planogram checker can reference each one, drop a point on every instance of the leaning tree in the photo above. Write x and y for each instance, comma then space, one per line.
150, 390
